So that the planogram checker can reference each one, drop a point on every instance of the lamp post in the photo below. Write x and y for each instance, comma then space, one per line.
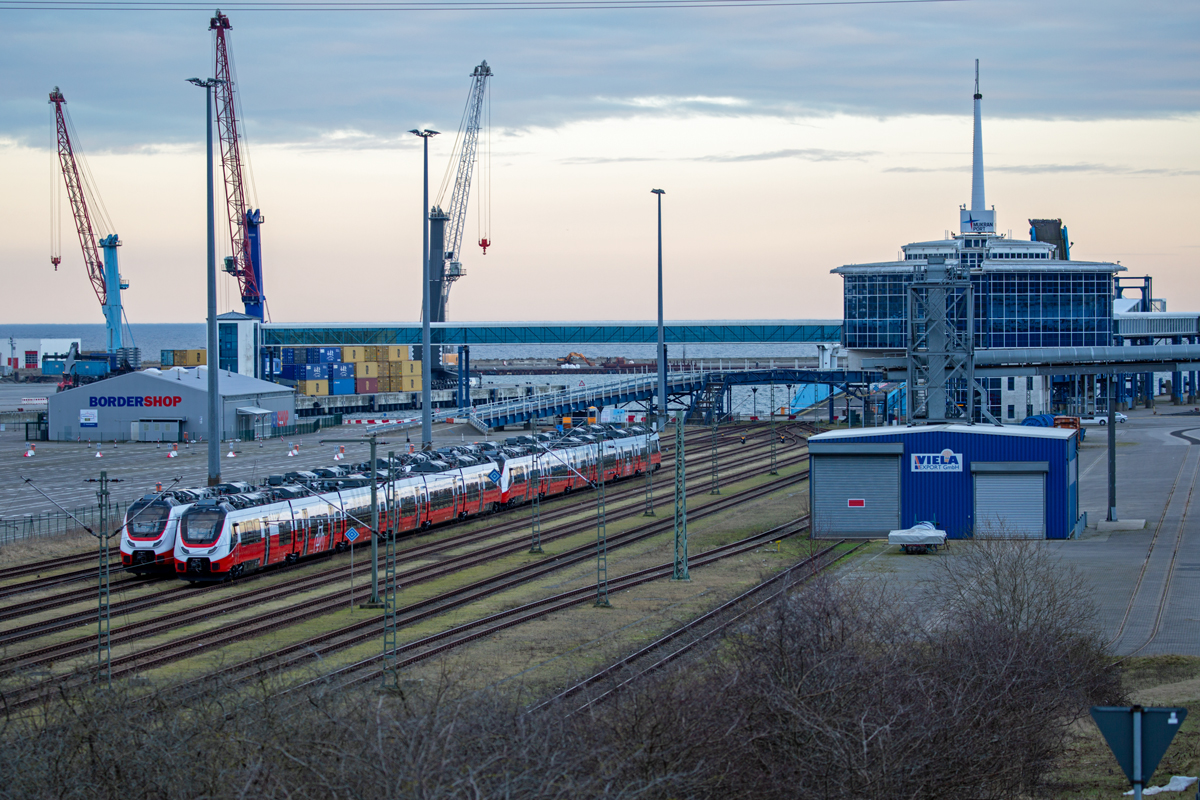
662, 339
426, 393
214, 406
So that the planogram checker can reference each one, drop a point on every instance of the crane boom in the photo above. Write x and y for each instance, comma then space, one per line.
102, 270
456, 209
245, 261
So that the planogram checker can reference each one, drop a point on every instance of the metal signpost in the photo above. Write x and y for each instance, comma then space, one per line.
352, 534
1138, 737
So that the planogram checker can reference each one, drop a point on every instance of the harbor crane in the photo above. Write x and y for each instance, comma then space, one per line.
245, 261
452, 221
99, 253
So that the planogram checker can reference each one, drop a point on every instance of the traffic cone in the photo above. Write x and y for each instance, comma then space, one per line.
174, 451
230, 454
99, 454
30, 450
341, 453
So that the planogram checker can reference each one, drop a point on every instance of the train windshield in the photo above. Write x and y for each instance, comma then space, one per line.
201, 527
148, 519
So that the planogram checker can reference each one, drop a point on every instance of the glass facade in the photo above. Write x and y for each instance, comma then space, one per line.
1012, 309
227, 346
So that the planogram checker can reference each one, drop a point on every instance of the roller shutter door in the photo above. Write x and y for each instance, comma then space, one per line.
855, 495
1011, 504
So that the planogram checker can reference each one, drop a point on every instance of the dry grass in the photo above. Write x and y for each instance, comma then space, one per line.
1089, 769
41, 548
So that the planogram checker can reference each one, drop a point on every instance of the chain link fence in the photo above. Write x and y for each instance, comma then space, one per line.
56, 523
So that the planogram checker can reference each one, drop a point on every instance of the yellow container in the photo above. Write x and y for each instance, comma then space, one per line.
411, 384
411, 369
370, 369
389, 384
313, 388
354, 355
191, 358
370, 353
394, 352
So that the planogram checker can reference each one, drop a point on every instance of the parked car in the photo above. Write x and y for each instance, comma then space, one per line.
1102, 418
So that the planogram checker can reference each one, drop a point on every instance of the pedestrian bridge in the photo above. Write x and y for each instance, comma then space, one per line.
704, 392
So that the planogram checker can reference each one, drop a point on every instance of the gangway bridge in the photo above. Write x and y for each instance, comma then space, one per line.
705, 393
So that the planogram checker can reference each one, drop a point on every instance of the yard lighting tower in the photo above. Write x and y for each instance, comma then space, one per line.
426, 393
214, 406
662, 339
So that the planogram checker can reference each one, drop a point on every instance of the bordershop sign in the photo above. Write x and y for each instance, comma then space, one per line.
148, 401
945, 461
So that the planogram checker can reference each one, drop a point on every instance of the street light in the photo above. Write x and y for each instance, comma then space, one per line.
662, 339
426, 393
214, 406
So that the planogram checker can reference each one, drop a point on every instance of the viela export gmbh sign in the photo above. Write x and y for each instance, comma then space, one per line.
148, 401
945, 461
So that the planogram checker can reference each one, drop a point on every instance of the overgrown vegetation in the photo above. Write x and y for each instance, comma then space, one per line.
840, 690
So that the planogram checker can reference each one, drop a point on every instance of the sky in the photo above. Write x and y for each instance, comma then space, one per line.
789, 140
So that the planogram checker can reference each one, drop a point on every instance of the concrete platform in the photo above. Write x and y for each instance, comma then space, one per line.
1146, 581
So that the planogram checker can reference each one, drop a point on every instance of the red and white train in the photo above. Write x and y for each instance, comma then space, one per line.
226, 536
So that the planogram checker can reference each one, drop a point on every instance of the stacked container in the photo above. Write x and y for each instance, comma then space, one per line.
313, 388
189, 358
167, 358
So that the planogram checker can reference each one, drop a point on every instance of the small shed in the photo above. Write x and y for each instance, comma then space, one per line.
967, 479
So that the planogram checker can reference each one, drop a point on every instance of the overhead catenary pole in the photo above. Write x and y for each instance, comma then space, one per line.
426, 368
373, 441
390, 676
1112, 452
680, 572
213, 429
662, 339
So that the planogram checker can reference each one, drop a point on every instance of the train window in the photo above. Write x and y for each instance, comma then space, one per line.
285, 533
408, 502
250, 531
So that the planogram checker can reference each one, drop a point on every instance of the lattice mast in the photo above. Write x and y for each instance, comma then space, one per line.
463, 161
99, 254
244, 263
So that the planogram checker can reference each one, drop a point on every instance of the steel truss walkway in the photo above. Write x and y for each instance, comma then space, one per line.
556, 333
683, 388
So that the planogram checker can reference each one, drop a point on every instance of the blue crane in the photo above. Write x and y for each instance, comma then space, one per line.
447, 226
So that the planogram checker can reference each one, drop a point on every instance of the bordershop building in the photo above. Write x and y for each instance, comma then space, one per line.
168, 405
985, 480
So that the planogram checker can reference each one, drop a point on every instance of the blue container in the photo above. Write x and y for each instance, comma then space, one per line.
341, 386
287, 355
167, 358
947, 497
288, 371
314, 372
312, 355
341, 370
329, 355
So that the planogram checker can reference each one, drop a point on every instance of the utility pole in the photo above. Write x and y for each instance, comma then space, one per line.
774, 435
426, 367
716, 481
1112, 452
103, 615
662, 339
390, 676
601, 534
214, 396
372, 439
680, 572
535, 506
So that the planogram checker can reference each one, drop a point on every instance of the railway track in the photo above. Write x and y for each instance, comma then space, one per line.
628, 488
333, 601
437, 644
367, 629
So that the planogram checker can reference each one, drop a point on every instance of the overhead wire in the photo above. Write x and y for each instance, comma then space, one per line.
433, 5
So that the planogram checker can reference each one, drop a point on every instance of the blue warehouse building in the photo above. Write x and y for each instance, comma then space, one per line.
970, 480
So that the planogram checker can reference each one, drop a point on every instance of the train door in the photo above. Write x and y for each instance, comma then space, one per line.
301, 533
460, 495
270, 529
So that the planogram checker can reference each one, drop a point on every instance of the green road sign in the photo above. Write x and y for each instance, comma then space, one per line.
1138, 737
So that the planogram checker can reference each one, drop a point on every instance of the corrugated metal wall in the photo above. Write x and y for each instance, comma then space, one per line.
947, 498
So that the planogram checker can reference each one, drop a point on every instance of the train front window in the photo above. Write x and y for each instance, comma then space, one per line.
202, 527
148, 521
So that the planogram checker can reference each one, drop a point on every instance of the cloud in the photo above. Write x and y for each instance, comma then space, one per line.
1041, 169
806, 154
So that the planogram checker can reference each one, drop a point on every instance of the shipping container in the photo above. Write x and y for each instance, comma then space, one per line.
323, 355
190, 358
355, 354
341, 370
371, 353
288, 355
969, 480
366, 385
394, 352
318, 388
91, 369
411, 384
304, 372
341, 386
167, 358
370, 369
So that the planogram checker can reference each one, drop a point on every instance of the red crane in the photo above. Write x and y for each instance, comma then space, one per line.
245, 263
99, 253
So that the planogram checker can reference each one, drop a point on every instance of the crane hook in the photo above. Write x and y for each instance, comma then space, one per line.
485, 244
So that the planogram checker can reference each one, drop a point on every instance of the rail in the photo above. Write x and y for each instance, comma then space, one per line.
55, 523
